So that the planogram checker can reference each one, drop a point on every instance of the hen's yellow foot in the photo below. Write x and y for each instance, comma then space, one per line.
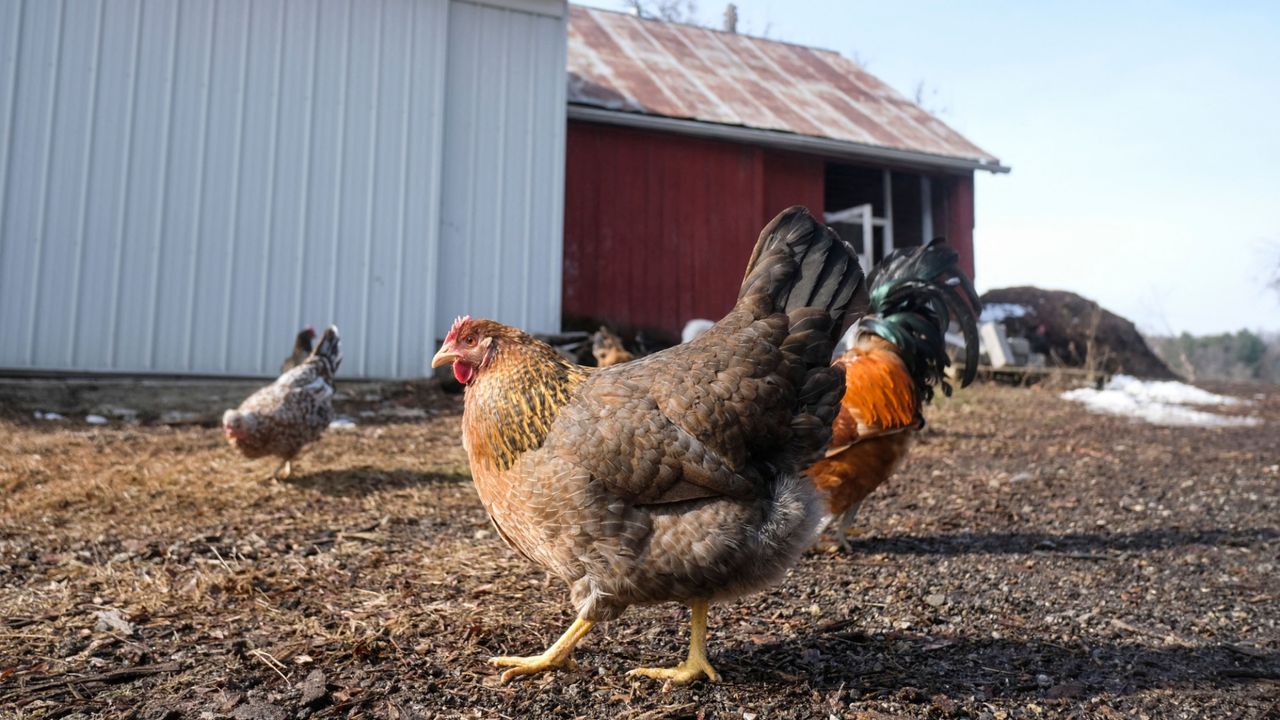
696, 664
687, 672
283, 472
559, 655
532, 664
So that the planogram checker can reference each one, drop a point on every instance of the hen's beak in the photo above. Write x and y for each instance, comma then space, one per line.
446, 356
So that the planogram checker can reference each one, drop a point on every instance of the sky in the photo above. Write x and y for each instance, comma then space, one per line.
1144, 139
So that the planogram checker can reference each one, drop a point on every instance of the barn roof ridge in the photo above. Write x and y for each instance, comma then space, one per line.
678, 77
707, 28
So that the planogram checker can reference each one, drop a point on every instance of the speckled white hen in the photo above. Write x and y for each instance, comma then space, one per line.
284, 417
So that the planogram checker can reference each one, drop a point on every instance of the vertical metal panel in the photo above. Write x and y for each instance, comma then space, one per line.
31, 93
184, 184
502, 204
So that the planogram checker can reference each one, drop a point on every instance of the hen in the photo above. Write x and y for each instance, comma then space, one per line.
301, 349
607, 348
675, 477
898, 355
289, 414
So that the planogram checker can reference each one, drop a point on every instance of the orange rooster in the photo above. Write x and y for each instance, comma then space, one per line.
898, 355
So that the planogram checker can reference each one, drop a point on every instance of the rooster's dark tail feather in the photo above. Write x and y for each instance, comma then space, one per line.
914, 294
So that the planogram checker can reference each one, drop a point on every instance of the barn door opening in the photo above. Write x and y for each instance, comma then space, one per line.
856, 226
860, 207
859, 226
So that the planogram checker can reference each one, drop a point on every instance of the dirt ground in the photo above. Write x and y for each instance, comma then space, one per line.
1030, 560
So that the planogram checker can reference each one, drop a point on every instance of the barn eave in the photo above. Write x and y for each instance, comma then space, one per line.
827, 147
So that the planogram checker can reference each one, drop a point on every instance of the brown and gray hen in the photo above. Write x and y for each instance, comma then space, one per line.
607, 348
676, 477
291, 413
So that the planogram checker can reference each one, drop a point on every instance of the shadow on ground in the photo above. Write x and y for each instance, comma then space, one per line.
368, 480
1027, 670
1070, 543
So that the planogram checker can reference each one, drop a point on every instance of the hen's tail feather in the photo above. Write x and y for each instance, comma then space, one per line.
328, 352
807, 272
802, 263
914, 294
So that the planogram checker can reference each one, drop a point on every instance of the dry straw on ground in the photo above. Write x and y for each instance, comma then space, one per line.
1031, 560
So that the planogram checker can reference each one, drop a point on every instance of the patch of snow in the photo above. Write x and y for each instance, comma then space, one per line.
180, 417
1168, 391
343, 423
694, 328
47, 415
1159, 403
408, 413
95, 419
995, 312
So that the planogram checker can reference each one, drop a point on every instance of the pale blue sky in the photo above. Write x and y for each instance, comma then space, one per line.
1144, 138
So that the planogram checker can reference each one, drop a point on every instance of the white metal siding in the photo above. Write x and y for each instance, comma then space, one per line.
501, 236
183, 184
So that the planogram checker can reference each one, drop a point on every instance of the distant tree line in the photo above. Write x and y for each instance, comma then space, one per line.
1238, 356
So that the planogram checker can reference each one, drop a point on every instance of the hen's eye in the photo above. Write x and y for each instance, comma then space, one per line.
469, 340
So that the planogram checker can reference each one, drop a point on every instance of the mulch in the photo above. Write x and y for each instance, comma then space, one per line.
1030, 560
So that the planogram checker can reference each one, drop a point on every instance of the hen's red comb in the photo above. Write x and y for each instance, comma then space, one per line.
457, 325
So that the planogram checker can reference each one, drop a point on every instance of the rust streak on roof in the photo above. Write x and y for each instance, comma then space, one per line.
625, 63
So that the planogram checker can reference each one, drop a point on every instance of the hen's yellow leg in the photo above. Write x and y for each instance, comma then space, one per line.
282, 472
696, 665
557, 656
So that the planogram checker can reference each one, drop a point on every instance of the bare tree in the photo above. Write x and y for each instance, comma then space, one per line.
1274, 282
927, 97
686, 12
678, 11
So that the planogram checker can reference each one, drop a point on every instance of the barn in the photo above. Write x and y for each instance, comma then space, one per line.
683, 141
184, 184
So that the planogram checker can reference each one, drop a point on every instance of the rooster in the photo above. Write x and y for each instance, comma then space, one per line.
674, 477
607, 348
301, 349
289, 414
898, 355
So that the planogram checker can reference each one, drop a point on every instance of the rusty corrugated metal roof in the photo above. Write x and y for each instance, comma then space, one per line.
625, 63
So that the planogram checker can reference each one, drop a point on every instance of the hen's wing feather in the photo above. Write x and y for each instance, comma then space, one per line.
622, 439
748, 401
701, 420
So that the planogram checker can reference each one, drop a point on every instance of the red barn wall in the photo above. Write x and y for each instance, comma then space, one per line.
957, 209
791, 179
658, 226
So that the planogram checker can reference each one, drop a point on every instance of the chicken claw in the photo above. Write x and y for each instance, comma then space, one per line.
695, 666
686, 673
281, 473
559, 655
